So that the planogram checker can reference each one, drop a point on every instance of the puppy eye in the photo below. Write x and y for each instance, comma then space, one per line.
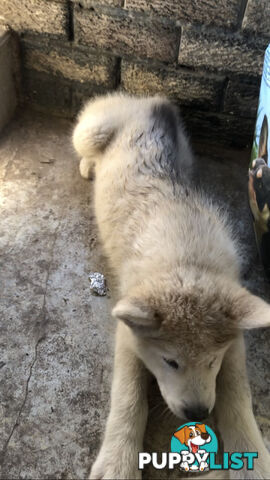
191, 434
171, 363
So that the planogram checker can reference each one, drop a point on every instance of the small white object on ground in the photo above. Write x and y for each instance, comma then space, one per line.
97, 284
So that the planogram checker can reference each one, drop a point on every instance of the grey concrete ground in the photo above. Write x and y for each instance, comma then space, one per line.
55, 349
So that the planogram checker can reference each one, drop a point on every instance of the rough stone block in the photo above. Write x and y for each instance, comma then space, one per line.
47, 93
73, 63
36, 16
125, 33
242, 96
81, 92
257, 17
208, 49
55, 95
229, 130
8, 96
186, 87
216, 12
59, 78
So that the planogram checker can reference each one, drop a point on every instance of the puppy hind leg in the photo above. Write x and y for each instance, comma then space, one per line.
86, 167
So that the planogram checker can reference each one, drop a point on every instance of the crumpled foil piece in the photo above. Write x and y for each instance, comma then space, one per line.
97, 284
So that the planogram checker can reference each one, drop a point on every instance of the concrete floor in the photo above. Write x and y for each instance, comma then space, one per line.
55, 345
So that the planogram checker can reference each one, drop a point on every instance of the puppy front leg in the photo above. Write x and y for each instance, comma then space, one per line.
118, 456
235, 417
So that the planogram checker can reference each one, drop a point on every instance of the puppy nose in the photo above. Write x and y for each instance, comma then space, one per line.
196, 413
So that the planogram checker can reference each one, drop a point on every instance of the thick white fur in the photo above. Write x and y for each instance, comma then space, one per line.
155, 239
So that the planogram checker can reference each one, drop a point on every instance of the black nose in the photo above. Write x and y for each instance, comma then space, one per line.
196, 413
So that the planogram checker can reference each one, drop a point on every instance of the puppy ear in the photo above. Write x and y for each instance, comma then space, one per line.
253, 311
181, 434
137, 314
263, 153
201, 427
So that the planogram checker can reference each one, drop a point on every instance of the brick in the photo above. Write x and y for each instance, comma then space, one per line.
186, 87
257, 17
213, 50
75, 64
125, 33
242, 96
228, 130
35, 16
216, 12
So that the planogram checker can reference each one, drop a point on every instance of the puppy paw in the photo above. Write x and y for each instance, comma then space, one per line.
86, 168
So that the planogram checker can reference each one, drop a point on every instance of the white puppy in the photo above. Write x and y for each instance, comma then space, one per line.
179, 304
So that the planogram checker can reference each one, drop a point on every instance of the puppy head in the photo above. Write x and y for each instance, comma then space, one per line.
182, 336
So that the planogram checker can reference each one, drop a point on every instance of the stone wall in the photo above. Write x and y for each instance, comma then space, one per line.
207, 55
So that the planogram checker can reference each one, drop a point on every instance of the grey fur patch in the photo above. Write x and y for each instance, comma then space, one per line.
166, 119
158, 144
165, 128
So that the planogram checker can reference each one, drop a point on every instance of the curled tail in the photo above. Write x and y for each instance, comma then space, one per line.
93, 133
97, 125
103, 117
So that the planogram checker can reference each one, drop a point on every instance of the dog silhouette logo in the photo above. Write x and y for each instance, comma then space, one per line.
194, 441
194, 449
